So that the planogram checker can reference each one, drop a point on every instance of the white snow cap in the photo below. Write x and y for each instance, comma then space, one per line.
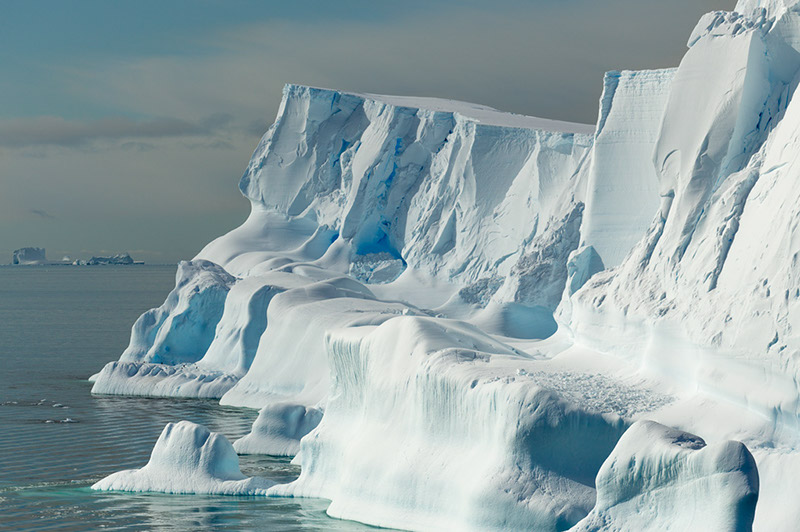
188, 458
773, 8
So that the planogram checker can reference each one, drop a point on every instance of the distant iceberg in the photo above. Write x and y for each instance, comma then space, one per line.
119, 259
29, 257
36, 257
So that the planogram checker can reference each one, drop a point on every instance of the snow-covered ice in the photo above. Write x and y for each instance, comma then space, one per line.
188, 458
278, 430
658, 478
458, 317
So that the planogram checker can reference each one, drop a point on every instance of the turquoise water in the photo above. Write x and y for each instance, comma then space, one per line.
59, 325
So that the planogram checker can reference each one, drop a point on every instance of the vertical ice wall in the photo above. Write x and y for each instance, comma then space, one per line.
727, 96
622, 194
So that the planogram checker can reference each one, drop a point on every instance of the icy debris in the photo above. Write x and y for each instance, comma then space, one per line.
659, 478
481, 291
377, 268
539, 276
188, 458
598, 393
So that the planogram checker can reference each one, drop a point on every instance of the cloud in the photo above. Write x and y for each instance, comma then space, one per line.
538, 58
210, 145
42, 214
138, 146
56, 131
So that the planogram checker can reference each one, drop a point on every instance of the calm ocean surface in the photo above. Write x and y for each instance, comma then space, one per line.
58, 326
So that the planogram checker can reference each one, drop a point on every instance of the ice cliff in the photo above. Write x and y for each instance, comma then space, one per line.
455, 316
29, 257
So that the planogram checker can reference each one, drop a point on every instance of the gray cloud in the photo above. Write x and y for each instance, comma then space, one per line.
56, 131
42, 214
537, 58
138, 146
210, 145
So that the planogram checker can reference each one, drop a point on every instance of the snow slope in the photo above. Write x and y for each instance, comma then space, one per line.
457, 317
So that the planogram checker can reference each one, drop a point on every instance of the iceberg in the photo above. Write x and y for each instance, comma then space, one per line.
188, 458
118, 259
29, 257
457, 317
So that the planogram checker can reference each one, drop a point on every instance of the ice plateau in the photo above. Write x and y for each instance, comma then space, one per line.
459, 318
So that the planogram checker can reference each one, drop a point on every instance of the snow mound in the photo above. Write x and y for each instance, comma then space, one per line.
291, 363
658, 478
278, 430
188, 458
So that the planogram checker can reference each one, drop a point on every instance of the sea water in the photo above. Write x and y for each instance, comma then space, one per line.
58, 326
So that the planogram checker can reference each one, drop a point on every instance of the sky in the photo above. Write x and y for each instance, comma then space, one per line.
126, 125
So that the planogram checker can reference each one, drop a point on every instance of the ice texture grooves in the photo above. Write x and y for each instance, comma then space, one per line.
622, 193
452, 385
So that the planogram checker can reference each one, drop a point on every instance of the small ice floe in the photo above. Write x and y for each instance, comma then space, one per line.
188, 458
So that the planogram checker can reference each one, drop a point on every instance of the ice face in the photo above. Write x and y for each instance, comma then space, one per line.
416, 434
478, 304
622, 194
29, 256
451, 189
